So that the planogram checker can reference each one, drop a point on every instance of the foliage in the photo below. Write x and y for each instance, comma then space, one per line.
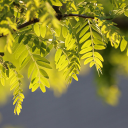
33, 28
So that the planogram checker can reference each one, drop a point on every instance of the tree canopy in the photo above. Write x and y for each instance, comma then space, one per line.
70, 31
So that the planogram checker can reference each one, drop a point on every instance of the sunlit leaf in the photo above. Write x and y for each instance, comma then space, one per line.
37, 29
88, 60
42, 31
45, 82
123, 45
42, 87
57, 55
88, 49
30, 69
84, 31
86, 44
42, 64
89, 54
43, 73
64, 31
85, 37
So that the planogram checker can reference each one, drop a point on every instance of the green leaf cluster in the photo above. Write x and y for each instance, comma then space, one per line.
33, 31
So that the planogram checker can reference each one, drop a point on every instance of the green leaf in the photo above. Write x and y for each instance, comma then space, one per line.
42, 87
75, 77
25, 62
58, 31
48, 49
86, 44
77, 25
14, 85
2, 81
88, 60
89, 54
78, 30
35, 86
13, 80
37, 29
64, 31
84, 31
30, 69
34, 74
42, 64
91, 64
123, 45
33, 81
45, 82
63, 65
62, 59
43, 73
56, 2
99, 47
85, 50
16, 99
71, 44
85, 37
19, 51
126, 12
68, 39
96, 54
23, 56
21, 38
58, 55
98, 61
38, 57
26, 40
42, 30
96, 41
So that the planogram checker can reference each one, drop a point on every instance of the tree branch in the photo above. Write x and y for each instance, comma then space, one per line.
58, 16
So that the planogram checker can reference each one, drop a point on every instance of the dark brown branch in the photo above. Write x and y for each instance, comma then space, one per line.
58, 16
28, 23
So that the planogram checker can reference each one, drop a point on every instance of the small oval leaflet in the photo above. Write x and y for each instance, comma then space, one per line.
85, 37
123, 45
37, 29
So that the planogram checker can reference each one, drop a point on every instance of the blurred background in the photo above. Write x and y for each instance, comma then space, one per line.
93, 101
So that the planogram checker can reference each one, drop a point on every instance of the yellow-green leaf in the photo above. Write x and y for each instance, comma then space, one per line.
126, 13
42, 64
64, 31
88, 60
84, 31
123, 45
44, 73
98, 55
42, 30
89, 54
75, 77
34, 88
85, 50
99, 47
85, 37
37, 29
45, 82
91, 64
2, 81
58, 55
42, 87
30, 69
86, 44
98, 62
